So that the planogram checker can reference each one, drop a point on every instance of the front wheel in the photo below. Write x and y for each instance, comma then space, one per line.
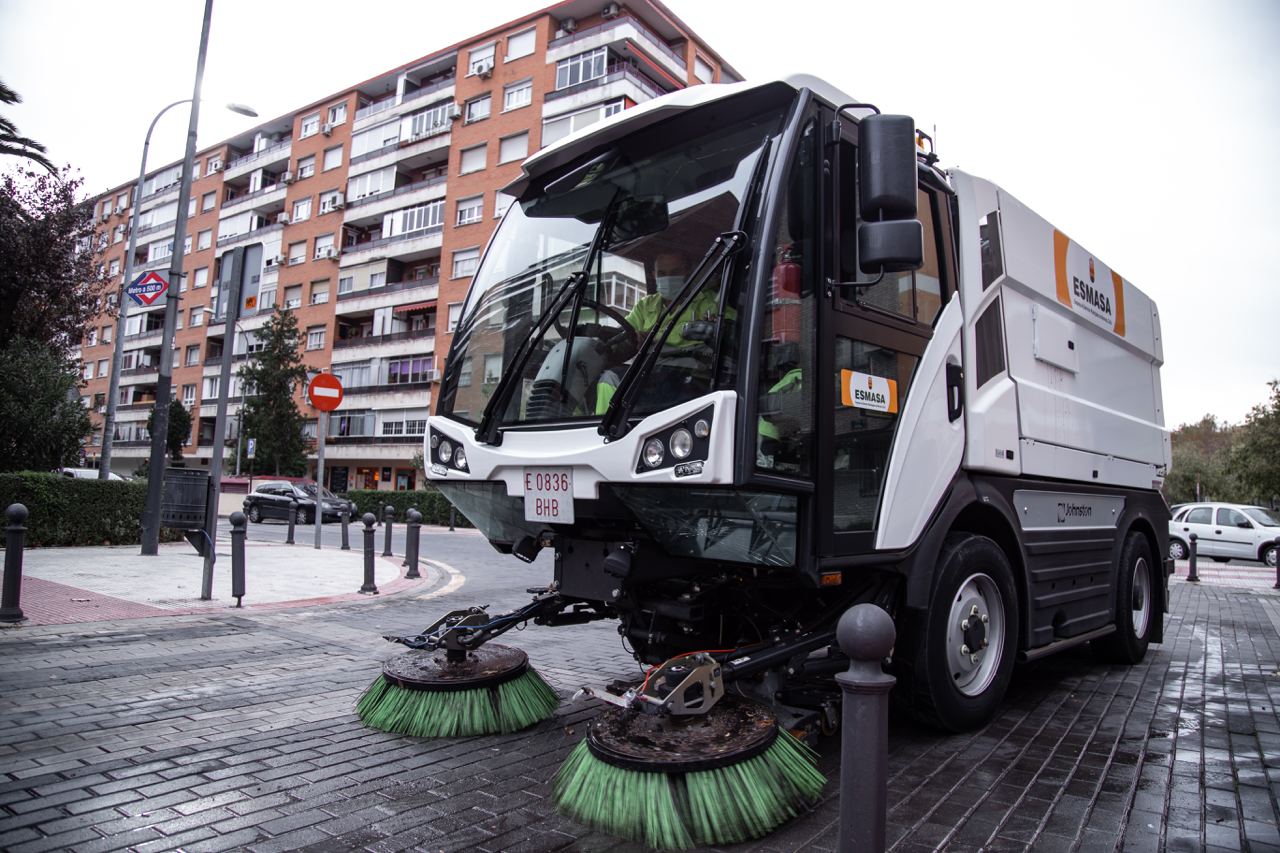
1269, 556
1135, 603
255, 514
1177, 549
963, 666
302, 517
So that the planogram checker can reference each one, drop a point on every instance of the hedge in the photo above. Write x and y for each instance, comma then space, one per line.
428, 501
67, 511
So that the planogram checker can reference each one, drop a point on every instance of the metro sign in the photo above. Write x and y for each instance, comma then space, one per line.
147, 288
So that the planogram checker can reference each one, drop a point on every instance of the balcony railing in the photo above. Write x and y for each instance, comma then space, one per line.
232, 202
375, 439
383, 241
407, 188
135, 407
390, 288
656, 40
137, 336
249, 158
380, 389
375, 108
430, 89
614, 73
373, 340
231, 238
139, 371
435, 130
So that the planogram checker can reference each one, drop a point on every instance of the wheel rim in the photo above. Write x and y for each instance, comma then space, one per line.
1271, 557
1140, 606
255, 515
1177, 550
975, 634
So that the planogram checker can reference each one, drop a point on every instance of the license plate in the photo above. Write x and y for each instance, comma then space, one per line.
548, 495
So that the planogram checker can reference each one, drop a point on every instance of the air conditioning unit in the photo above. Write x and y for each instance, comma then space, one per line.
455, 111
433, 375
611, 10
327, 129
336, 201
215, 166
484, 69
282, 219
286, 177
327, 252
102, 410
275, 261
569, 25
105, 216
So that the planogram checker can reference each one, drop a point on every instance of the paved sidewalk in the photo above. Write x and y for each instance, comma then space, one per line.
235, 730
63, 585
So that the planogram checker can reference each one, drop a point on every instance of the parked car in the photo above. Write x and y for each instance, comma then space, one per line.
84, 473
271, 500
1225, 532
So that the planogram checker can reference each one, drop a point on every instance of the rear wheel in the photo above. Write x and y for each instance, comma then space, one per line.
1269, 556
965, 659
1177, 549
1136, 609
302, 517
255, 514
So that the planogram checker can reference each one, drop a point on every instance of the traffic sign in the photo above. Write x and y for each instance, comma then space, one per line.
253, 448
147, 288
325, 392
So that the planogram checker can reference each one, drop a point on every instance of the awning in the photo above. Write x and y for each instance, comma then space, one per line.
414, 306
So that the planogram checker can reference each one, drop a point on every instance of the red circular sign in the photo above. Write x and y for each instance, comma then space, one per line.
325, 392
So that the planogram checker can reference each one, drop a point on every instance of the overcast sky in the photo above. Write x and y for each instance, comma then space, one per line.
1148, 131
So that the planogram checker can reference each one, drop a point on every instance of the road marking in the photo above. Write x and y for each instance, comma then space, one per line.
456, 579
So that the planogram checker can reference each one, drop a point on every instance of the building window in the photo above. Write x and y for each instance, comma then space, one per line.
193, 355
329, 201
215, 163
292, 296
210, 388
415, 369
470, 210
332, 157
301, 210
581, 68
186, 245
205, 239
555, 129
189, 391
514, 148
122, 200
421, 218
346, 284
371, 183
464, 372
92, 339
492, 367
297, 252
106, 333
306, 167
114, 268
478, 108
520, 44
455, 314
472, 160
315, 337
310, 126
465, 262
337, 113
208, 201
377, 279
702, 70
319, 292
517, 95
481, 59
88, 370
432, 120
200, 278
197, 316
117, 234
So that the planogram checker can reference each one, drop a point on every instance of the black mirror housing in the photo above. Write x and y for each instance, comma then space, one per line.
887, 167
890, 246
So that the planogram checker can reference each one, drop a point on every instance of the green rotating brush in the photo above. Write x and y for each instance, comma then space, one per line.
449, 693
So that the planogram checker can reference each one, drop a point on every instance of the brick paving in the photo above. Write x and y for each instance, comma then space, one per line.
223, 730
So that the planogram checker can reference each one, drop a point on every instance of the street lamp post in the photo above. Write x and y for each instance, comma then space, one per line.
122, 306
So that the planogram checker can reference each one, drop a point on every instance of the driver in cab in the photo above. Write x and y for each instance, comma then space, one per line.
694, 326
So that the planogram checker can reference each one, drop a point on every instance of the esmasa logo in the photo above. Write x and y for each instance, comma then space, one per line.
1068, 510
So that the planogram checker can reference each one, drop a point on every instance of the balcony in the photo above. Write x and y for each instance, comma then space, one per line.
269, 198
410, 246
411, 149
620, 80
395, 343
277, 153
256, 234
375, 108
388, 296
144, 337
162, 195
388, 107
373, 206
622, 29
140, 376
158, 228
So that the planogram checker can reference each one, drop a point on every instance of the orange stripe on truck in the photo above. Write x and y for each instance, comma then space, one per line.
1119, 284
1060, 243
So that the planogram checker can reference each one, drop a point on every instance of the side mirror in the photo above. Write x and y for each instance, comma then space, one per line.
887, 167
890, 246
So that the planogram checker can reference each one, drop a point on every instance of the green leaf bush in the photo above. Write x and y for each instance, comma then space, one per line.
433, 505
66, 511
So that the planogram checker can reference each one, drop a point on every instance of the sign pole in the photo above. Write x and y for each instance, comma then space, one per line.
322, 426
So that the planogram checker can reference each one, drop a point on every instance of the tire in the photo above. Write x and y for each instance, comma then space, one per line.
1268, 556
1221, 559
1136, 609
954, 687
1178, 550
302, 517
255, 514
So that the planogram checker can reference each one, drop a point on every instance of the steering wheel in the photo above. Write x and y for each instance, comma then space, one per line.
599, 330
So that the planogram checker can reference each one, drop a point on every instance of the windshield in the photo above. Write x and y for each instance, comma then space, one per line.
655, 203
1265, 517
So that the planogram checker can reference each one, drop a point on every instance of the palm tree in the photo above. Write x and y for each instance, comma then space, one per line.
11, 142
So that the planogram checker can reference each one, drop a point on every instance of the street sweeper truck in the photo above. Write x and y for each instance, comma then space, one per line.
744, 356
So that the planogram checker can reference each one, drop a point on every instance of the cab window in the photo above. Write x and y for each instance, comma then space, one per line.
1232, 518
1200, 515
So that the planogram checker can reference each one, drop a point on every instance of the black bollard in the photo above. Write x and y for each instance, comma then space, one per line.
293, 515
413, 520
346, 519
1192, 577
1275, 558
369, 588
453, 515
14, 535
389, 519
866, 634
238, 521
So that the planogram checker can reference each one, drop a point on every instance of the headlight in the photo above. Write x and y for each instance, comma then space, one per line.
435, 440
445, 450
653, 452
460, 458
702, 429
681, 443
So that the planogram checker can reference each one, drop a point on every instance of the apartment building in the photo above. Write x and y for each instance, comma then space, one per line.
372, 208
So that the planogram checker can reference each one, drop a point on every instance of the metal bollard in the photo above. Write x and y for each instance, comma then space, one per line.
1192, 577
293, 515
413, 519
14, 535
389, 520
345, 515
1276, 552
238, 522
369, 588
866, 634
453, 516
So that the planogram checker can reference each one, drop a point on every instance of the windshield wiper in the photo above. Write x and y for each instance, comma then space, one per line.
488, 431
614, 423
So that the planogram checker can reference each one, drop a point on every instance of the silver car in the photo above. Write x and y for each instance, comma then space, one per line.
1225, 532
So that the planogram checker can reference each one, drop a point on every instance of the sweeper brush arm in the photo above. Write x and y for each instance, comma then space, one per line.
469, 629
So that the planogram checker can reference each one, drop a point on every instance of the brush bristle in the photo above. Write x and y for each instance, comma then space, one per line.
677, 811
508, 707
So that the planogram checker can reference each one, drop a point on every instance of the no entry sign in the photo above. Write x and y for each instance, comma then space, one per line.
147, 288
325, 392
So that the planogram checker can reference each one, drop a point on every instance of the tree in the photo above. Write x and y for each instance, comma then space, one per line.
179, 428
1255, 455
271, 416
1200, 455
42, 422
51, 274
12, 142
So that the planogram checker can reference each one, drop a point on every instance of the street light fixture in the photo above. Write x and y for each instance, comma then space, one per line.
122, 307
